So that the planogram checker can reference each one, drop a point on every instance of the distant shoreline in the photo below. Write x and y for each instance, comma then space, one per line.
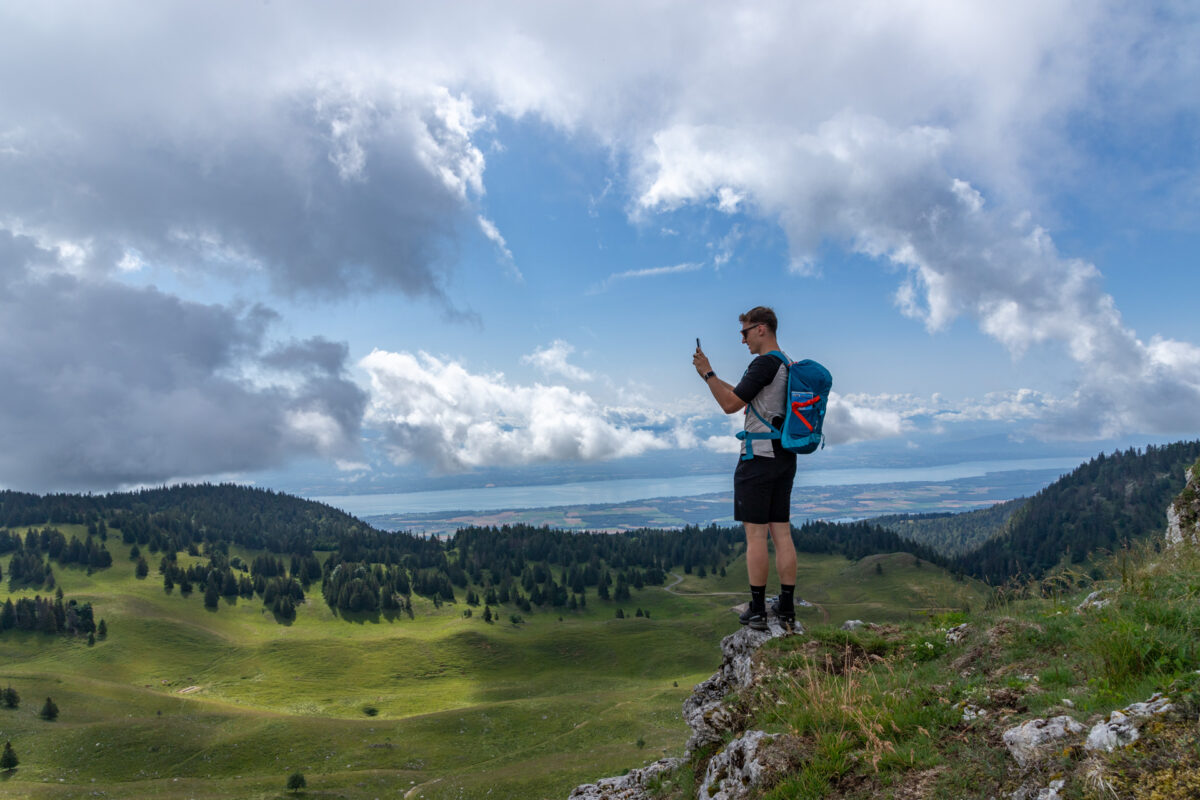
624, 490
826, 502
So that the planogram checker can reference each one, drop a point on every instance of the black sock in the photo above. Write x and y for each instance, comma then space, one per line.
758, 598
786, 595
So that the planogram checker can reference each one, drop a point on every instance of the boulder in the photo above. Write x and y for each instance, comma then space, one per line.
852, 624
1027, 741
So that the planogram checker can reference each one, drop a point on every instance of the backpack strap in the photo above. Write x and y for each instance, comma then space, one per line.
749, 437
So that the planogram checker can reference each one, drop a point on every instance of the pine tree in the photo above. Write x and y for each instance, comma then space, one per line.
211, 596
102, 629
49, 711
10, 697
487, 613
8, 759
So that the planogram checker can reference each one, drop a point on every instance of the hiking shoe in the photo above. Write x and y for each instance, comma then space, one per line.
786, 616
753, 619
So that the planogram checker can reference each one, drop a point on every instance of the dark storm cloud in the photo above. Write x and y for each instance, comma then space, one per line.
105, 385
267, 194
317, 353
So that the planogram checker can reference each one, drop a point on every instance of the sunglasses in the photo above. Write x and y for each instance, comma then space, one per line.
752, 327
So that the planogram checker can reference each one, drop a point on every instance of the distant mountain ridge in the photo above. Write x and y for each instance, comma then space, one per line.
1105, 504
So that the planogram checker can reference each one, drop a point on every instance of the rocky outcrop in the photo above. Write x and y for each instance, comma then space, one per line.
631, 786
1038, 739
704, 711
1183, 514
710, 720
737, 769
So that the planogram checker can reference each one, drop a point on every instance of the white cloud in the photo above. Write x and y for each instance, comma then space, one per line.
885, 192
440, 414
648, 272
495, 237
849, 420
552, 360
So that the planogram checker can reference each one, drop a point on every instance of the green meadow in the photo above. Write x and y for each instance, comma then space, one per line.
180, 701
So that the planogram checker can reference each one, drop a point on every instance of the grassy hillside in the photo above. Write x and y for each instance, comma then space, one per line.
181, 701
882, 712
953, 534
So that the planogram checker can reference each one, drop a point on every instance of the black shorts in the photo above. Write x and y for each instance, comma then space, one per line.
762, 489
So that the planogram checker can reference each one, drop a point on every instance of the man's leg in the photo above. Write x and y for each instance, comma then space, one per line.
757, 563
785, 565
785, 553
757, 566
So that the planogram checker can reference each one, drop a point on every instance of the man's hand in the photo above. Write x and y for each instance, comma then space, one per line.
722, 392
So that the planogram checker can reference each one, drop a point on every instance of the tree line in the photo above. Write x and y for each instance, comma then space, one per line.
53, 616
1101, 506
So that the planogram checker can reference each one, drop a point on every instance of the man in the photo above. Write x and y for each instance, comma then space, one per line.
762, 484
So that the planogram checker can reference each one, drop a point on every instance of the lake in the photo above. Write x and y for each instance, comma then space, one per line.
490, 498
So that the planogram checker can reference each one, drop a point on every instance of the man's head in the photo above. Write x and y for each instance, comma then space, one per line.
758, 329
760, 315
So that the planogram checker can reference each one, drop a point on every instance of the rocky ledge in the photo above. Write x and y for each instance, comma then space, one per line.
741, 763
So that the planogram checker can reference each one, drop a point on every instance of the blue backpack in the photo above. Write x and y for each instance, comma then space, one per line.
808, 386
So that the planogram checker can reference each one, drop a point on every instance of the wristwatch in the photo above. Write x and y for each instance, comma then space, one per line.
709, 374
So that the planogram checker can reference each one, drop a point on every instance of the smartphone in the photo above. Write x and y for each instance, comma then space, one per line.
697, 342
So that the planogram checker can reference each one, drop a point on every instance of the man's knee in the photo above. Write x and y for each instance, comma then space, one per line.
756, 531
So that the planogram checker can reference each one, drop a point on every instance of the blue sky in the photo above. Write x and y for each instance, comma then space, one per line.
393, 245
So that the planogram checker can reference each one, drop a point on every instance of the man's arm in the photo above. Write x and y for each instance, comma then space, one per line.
722, 392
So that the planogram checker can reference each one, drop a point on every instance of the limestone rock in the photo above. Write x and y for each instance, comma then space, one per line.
1050, 792
1183, 514
958, 633
1026, 741
971, 712
737, 769
852, 624
626, 787
1117, 731
705, 713
1093, 602
1121, 727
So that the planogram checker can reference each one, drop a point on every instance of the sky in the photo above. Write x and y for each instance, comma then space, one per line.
386, 246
